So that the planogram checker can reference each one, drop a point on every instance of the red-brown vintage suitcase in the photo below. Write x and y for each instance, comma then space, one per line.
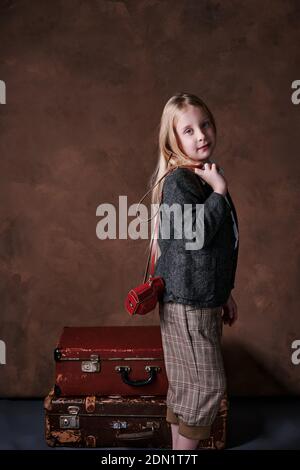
110, 360
117, 422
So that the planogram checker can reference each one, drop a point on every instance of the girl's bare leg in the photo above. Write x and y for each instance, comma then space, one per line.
174, 429
183, 443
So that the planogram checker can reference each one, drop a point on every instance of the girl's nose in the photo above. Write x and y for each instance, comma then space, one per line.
200, 134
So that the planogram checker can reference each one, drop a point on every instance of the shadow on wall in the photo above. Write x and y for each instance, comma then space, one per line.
256, 398
247, 375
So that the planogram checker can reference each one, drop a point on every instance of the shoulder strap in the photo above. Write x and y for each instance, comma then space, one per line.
153, 244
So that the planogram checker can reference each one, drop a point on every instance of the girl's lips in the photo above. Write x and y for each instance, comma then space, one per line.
204, 148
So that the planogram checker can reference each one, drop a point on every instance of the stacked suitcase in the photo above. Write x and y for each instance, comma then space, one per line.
110, 391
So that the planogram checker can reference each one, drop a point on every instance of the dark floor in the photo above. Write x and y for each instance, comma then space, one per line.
254, 423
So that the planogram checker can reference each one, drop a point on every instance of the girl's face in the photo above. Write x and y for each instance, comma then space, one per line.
195, 134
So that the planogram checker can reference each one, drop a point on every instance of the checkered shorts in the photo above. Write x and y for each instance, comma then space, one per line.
191, 338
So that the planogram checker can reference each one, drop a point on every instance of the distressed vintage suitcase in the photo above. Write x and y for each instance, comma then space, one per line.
110, 360
106, 422
118, 422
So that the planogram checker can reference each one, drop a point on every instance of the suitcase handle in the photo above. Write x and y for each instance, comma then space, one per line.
134, 436
124, 371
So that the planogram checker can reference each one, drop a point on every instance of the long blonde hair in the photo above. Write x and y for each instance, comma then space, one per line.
170, 155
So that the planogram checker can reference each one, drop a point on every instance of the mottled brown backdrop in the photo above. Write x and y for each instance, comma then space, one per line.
86, 83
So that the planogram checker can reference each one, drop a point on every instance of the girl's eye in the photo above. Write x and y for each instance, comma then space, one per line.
205, 124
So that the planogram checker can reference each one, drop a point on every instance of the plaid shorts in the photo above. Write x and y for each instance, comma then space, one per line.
191, 338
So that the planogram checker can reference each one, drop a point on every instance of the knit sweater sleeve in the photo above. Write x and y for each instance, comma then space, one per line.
181, 188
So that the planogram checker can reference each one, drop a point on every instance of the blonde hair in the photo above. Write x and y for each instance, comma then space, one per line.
170, 155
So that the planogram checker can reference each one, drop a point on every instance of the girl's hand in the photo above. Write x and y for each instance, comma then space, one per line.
210, 174
229, 314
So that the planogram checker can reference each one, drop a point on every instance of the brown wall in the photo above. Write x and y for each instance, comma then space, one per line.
86, 84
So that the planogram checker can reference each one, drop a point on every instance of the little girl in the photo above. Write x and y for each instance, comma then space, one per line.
198, 282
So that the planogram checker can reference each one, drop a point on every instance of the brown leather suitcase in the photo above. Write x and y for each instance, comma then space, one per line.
110, 360
106, 422
129, 422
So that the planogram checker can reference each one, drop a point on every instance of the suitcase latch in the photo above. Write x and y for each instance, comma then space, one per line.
93, 365
69, 422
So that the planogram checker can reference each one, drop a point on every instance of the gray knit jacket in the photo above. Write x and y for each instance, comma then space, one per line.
203, 277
